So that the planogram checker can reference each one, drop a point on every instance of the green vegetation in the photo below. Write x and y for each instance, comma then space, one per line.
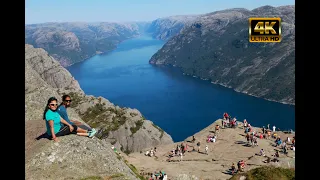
117, 175
92, 178
94, 114
97, 116
135, 171
76, 99
137, 127
267, 173
161, 130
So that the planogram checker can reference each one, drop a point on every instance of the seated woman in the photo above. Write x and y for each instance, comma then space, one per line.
262, 153
57, 126
147, 153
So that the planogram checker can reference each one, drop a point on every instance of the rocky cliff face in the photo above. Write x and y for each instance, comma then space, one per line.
70, 43
124, 127
165, 28
216, 47
76, 157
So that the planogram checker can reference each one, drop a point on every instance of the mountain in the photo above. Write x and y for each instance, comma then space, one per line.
165, 28
216, 47
124, 127
70, 43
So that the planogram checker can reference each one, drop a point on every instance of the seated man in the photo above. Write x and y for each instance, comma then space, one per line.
62, 110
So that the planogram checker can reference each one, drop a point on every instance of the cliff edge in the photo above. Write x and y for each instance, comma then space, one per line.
75, 156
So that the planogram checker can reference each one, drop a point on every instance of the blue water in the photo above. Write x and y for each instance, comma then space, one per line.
181, 105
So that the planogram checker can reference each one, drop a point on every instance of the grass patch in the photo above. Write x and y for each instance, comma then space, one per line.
137, 127
97, 115
267, 173
93, 112
161, 130
135, 171
117, 175
92, 178
76, 99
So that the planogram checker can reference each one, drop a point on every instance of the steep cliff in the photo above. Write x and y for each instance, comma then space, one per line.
216, 47
70, 43
124, 127
165, 28
74, 157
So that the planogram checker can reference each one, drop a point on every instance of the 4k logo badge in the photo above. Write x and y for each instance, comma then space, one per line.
264, 29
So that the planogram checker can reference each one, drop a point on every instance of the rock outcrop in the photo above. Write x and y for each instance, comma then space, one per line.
70, 43
230, 147
124, 127
76, 157
216, 47
165, 28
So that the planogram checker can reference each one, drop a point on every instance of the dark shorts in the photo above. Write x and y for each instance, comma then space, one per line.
65, 130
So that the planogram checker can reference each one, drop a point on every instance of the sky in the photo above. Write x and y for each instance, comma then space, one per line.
40, 11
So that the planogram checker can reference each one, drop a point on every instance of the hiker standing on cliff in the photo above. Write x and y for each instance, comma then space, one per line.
206, 149
198, 144
193, 139
226, 116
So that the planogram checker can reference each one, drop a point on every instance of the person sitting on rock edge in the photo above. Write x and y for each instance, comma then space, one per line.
62, 110
57, 126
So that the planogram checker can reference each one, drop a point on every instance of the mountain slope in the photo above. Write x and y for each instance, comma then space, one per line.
70, 43
216, 47
165, 28
124, 127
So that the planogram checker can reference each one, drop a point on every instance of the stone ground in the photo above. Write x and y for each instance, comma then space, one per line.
34, 129
229, 148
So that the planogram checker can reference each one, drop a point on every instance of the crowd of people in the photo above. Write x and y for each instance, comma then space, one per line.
58, 124
252, 140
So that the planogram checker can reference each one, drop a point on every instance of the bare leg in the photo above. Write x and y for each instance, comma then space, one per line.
80, 130
82, 134
77, 123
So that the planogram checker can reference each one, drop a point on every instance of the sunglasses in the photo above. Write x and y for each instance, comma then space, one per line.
67, 100
53, 104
